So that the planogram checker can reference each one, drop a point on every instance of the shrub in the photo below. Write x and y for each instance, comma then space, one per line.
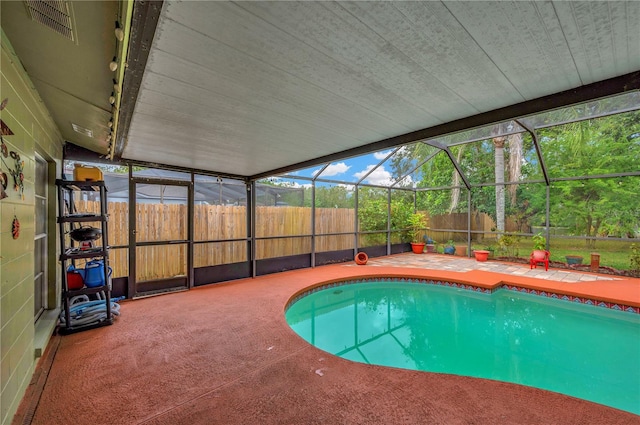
635, 259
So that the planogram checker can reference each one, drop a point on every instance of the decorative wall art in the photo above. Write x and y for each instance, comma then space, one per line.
5, 130
15, 227
3, 186
4, 179
17, 172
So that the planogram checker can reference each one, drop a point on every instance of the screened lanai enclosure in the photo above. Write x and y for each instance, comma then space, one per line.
571, 175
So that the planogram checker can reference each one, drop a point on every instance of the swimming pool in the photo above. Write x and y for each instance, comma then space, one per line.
580, 350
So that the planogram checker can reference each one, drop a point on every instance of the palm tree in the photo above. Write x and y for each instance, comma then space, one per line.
516, 153
455, 192
498, 143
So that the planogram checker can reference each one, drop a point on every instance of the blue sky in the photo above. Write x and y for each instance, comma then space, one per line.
352, 169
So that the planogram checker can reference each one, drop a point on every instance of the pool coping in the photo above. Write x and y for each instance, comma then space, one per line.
612, 294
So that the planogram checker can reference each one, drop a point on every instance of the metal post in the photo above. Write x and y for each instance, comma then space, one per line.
355, 220
546, 224
251, 227
190, 232
131, 287
388, 221
105, 248
313, 223
468, 222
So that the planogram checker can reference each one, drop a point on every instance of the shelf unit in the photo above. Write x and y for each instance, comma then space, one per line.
70, 252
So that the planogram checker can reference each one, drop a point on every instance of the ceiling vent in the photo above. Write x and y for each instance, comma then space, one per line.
82, 130
54, 14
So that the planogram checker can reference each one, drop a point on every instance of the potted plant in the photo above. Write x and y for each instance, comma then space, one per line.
481, 254
417, 222
539, 255
491, 250
539, 247
431, 244
450, 248
461, 250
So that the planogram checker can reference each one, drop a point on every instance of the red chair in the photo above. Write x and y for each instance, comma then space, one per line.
539, 257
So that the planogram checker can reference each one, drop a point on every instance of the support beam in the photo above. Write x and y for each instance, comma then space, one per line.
143, 28
453, 161
536, 143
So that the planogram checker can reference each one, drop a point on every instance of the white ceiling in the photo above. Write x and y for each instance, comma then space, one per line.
71, 76
250, 87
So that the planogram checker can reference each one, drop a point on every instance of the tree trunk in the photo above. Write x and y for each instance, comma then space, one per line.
498, 143
455, 193
515, 164
592, 231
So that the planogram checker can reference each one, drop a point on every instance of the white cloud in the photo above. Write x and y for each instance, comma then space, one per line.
381, 155
379, 176
406, 182
334, 169
348, 187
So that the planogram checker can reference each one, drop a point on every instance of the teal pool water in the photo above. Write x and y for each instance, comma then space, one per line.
584, 351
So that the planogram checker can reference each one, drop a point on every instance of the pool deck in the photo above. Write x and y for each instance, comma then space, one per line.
224, 354
613, 290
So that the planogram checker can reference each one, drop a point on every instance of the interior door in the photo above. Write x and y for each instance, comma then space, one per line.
160, 237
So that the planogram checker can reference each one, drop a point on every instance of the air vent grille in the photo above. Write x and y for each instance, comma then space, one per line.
82, 130
53, 14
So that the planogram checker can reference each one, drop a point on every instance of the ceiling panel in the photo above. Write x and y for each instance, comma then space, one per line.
604, 37
313, 107
429, 35
524, 40
260, 46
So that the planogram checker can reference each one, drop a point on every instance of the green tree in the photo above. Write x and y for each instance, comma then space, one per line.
332, 197
598, 206
373, 214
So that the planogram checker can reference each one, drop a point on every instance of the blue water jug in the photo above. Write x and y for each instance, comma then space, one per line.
94, 273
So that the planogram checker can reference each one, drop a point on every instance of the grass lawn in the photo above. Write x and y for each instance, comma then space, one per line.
616, 254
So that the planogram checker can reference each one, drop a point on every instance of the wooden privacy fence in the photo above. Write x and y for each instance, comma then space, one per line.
480, 222
166, 222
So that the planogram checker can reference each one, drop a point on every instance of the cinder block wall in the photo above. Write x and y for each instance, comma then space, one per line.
26, 115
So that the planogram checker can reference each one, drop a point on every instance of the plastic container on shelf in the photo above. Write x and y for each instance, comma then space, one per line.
74, 279
94, 273
83, 173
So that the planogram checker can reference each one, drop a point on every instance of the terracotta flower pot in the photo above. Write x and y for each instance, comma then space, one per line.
461, 250
362, 258
481, 255
417, 248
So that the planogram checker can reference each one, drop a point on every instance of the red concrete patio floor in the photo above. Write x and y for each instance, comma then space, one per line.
224, 354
